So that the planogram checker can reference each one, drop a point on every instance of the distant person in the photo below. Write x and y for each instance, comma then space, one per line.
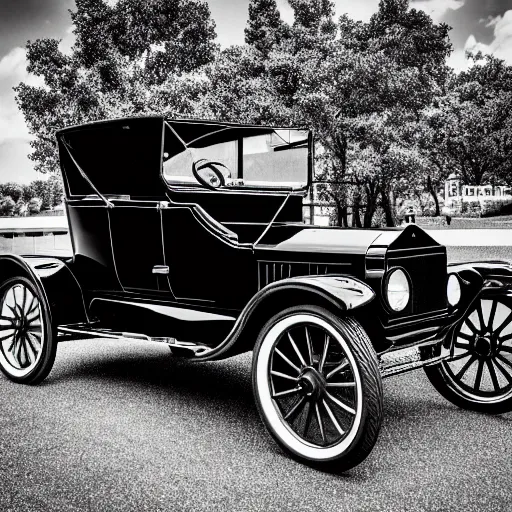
447, 212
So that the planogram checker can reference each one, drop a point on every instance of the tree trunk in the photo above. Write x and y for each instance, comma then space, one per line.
434, 195
388, 209
356, 207
342, 214
371, 203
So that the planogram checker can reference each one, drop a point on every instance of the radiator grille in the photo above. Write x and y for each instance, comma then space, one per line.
428, 277
269, 272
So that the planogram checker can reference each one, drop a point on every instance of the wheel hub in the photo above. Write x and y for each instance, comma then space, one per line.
483, 346
312, 383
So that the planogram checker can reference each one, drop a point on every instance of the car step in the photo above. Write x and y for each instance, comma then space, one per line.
405, 359
179, 348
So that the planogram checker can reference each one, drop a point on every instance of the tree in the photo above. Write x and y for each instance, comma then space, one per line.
125, 60
20, 209
49, 191
264, 29
314, 16
367, 96
34, 205
7, 205
13, 190
474, 122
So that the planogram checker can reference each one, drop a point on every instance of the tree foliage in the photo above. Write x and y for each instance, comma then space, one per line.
265, 29
474, 123
128, 59
391, 118
16, 199
365, 102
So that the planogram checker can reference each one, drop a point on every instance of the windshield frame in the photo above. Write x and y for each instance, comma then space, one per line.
245, 131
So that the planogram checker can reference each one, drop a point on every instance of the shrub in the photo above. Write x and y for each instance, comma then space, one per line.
20, 208
34, 205
379, 218
471, 209
495, 206
12, 190
7, 205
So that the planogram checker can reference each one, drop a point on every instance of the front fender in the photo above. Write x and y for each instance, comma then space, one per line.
478, 279
342, 293
494, 274
489, 278
345, 292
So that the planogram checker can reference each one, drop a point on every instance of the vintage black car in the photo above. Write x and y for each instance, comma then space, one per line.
191, 233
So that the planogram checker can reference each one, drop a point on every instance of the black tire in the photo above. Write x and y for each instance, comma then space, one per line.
478, 376
27, 341
324, 423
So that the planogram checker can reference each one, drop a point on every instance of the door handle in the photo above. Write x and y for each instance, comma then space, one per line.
161, 269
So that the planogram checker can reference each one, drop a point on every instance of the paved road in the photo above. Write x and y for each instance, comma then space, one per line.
121, 426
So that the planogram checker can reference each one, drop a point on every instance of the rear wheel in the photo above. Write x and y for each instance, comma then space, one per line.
27, 344
318, 387
479, 375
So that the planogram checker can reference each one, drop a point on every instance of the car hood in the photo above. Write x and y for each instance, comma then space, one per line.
322, 240
312, 239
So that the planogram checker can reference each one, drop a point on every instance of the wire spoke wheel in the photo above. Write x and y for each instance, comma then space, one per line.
479, 374
311, 386
319, 405
25, 353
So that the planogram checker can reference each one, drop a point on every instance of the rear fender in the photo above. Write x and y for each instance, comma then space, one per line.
54, 280
337, 293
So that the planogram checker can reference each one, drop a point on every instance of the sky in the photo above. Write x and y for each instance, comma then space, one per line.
484, 25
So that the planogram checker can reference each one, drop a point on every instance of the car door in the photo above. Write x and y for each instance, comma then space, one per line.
206, 263
136, 234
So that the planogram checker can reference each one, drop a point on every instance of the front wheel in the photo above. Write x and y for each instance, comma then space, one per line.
479, 374
318, 387
27, 343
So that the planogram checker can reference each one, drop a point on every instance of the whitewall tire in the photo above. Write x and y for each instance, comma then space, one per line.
317, 386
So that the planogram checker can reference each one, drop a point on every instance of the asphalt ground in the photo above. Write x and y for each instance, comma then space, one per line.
122, 426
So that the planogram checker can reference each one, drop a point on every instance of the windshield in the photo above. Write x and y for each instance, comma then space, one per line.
251, 157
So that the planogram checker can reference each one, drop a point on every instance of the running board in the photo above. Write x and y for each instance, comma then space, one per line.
410, 358
181, 348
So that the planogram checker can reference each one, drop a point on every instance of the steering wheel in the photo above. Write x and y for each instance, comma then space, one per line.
209, 174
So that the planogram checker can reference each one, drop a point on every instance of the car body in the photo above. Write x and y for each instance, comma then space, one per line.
191, 233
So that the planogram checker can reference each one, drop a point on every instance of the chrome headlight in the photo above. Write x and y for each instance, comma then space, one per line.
397, 290
453, 290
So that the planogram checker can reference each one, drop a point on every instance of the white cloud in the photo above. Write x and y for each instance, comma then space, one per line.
458, 61
13, 64
490, 21
501, 46
285, 10
13, 70
363, 9
14, 162
360, 10
437, 8
67, 41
